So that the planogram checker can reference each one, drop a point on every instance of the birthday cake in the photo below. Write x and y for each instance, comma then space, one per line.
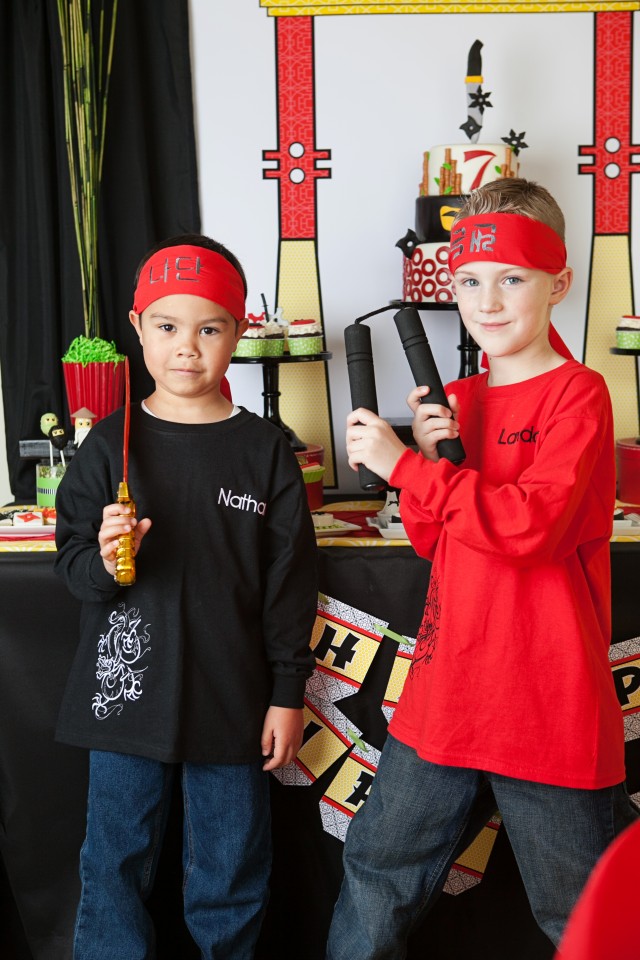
449, 172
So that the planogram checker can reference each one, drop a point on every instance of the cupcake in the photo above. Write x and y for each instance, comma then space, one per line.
251, 343
305, 337
628, 333
273, 339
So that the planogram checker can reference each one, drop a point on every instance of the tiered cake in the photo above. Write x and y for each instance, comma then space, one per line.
449, 172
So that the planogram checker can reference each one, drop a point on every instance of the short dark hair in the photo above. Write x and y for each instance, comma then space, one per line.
194, 240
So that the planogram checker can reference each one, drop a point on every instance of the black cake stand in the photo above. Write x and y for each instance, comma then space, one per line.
629, 352
271, 384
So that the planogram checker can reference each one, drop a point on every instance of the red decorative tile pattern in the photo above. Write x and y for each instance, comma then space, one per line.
612, 151
296, 156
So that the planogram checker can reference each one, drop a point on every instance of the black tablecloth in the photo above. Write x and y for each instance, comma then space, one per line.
43, 785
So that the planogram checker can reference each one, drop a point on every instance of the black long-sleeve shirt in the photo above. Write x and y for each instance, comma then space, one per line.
182, 665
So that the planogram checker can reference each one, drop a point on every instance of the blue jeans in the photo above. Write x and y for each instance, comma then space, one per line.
403, 841
226, 856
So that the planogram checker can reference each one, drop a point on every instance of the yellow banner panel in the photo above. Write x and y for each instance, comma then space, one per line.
398, 676
322, 748
350, 788
626, 677
342, 649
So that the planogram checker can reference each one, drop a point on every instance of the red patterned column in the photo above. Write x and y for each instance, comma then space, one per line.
612, 151
305, 388
611, 286
296, 156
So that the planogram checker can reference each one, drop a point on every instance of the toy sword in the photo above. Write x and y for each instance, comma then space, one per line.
125, 573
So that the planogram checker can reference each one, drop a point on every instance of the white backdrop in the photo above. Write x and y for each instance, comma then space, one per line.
387, 88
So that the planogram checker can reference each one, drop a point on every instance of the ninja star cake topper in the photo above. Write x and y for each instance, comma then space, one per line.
516, 141
479, 100
472, 128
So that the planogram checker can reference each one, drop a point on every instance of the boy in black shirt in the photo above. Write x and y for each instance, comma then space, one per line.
199, 668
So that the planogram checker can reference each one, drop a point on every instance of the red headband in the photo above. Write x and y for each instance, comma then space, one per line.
194, 270
506, 238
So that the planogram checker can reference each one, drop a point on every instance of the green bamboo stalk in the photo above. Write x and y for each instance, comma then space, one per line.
66, 35
86, 74
105, 95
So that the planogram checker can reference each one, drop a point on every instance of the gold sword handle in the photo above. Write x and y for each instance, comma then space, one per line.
125, 573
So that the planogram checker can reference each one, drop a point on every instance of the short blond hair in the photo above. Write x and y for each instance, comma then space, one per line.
514, 195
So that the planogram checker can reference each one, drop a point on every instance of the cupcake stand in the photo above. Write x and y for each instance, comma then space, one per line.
310, 456
271, 392
628, 450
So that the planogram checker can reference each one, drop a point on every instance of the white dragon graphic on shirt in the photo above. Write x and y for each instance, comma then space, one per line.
120, 649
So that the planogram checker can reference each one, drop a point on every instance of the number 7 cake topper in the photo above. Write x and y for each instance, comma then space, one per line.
125, 573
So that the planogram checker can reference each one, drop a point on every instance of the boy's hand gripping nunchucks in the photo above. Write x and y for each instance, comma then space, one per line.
357, 339
125, 573
425, 372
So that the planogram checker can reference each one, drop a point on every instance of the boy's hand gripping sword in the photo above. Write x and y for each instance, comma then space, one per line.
125, 573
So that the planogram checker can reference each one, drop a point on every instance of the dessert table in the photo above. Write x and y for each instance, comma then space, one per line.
43, 784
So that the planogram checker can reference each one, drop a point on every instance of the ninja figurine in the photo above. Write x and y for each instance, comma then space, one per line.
82, 422
54, 431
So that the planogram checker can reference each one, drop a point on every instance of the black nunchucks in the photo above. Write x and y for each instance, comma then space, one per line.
362, 383
357, 339
425, 373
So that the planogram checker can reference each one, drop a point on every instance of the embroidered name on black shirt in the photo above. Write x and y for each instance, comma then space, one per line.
241, 502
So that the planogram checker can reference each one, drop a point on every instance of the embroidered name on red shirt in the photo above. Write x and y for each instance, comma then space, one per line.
528, 435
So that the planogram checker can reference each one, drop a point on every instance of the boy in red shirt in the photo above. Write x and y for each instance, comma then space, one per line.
510, 681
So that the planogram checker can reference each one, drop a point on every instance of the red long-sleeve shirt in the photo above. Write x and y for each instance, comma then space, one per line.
511, 671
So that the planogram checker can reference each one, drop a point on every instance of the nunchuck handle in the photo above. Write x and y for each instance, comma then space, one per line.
362, 383
425, 373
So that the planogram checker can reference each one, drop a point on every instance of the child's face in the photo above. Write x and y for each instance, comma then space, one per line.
505, 308
187, 343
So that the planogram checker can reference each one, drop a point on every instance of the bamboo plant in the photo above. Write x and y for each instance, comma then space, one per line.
87, 54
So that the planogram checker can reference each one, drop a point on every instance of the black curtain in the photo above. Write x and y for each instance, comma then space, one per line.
149, 192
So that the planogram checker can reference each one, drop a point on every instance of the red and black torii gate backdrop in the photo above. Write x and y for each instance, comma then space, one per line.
363, 633
298, 163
